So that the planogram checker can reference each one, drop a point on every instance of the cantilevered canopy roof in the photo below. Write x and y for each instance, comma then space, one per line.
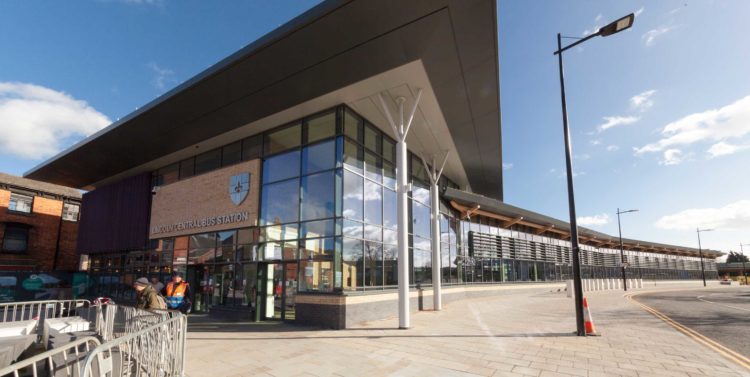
337, 44
473, 204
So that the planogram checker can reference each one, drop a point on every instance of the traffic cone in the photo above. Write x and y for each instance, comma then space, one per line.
589, 323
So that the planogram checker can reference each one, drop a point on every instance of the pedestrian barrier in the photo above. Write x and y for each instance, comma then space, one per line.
136, 342
64, 360
156, 350
27, 310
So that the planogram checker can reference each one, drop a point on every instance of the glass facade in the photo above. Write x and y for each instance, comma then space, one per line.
327, 224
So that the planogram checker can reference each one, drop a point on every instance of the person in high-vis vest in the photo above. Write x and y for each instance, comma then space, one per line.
178, 295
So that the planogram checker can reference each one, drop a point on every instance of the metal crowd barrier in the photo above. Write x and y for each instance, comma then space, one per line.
27, 310
65, 360
155, 350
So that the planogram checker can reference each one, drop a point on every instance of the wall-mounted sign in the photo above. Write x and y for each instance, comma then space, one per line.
222, 199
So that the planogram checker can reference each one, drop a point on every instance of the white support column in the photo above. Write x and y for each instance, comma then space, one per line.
400, 131
434, 174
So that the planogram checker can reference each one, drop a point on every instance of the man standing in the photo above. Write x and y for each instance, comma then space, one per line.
146, 296
177, 292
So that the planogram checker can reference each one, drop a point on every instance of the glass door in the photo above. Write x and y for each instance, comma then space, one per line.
280, 282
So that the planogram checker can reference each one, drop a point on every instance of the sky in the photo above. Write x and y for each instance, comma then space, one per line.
659, 114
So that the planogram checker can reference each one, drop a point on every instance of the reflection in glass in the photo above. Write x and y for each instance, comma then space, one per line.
319, 157
316, 276
373, 203
390, 265
317, 196
353, 195
373, 264
321, 127
422, 266
390, 209
373, 233
420, 219
313, 229
317, 248
284, 139
208, 161
372, 138
389, 175
281, 167
352, 260
278, 232
352, 125
280, 202
353, 229
373, 167
353, 156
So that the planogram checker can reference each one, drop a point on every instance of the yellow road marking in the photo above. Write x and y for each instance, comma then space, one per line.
724, 351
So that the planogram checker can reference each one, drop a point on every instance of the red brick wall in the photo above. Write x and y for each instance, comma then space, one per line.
44, 220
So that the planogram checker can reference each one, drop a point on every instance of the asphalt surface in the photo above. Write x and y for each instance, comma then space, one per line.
722, 314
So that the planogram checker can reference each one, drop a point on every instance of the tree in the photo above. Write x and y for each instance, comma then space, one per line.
735, 257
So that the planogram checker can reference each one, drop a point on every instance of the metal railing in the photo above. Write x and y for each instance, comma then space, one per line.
65, 360
155, 350
27, 310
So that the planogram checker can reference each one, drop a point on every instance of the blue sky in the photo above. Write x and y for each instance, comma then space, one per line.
659, 114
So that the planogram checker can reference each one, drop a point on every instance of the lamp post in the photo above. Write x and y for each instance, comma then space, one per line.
743, 260
622, 253
700, 252
614, 27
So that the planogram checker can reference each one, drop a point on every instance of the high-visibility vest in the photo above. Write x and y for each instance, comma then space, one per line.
176, 294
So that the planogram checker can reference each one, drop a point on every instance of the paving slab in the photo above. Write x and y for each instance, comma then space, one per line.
520, 334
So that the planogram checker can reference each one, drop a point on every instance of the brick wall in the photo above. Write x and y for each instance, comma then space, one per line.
44, 222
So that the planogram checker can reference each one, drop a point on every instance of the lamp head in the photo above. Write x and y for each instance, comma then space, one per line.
617, 26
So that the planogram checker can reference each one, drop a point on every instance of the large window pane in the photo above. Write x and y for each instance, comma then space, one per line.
390, 209
252, 147
321, 127
353, 195
321, 228
187, 168
353, 229
280, 232
352, 125
208, 161
353, 156
284, 139
373, 167
280, 167
231, 154
420, 219
422, 266
373, 203
169, 174
319, 157
389, 150
372, 138
316, 276
373, 264
280, 202
317, 196
16, 238
389, 175
390, 265
352, 264
318, 248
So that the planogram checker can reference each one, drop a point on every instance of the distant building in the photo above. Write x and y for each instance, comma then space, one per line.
38, 225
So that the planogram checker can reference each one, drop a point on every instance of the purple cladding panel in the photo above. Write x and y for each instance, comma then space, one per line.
115, 217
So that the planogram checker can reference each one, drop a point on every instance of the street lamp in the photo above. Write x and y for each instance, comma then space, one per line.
612, 28
743, 260
700, 252
622, 254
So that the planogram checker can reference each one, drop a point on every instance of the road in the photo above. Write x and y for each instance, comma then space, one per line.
722, 314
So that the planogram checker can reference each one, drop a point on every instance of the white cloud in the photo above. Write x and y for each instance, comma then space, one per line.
595, 142
582, 157
639, 11
734, 216
642, 101
612, 148
615, 121
507, 166
596, 220
722, 149
162, 76
650, 36
37, 122
672, 157
731, 121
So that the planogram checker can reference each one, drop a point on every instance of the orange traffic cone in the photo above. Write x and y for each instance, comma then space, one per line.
589, 323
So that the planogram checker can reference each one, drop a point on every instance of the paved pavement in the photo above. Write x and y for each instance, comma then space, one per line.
523, 334
720, 314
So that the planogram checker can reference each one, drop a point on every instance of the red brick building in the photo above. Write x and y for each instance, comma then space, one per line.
38, 225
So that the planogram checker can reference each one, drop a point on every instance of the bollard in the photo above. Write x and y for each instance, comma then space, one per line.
617, 284
640, 283
569, 288
598, 284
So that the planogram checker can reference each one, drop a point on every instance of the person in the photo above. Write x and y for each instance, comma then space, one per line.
158, 286
178, 294
146, 295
